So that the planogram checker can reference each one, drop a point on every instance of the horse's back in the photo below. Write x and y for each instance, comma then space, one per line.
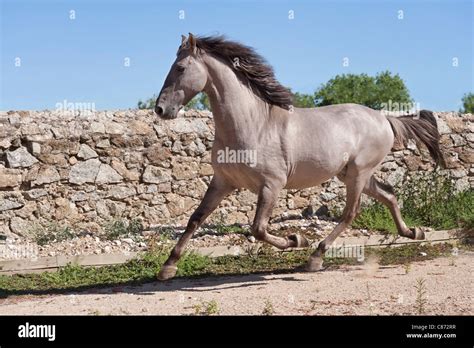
324, 140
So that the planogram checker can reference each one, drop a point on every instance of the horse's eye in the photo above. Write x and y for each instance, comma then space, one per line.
180, 68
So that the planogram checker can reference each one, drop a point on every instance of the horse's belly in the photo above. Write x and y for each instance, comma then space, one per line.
240, 176
309, 174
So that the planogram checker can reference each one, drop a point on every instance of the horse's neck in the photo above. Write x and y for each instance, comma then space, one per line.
239, 115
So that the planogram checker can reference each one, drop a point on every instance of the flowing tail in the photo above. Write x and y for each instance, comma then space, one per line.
422, 128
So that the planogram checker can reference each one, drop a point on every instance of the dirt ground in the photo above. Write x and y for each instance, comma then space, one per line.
359, 290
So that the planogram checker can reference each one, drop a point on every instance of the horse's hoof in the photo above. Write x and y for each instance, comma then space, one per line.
314, 265
418, 233
167, 272
299, 241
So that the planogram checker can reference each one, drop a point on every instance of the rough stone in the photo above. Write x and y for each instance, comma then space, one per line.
107, 175
112, 127
131, 175
36, 148
46, 175
155, 175
35, 193
185, 170
10, 200
10, 177
195, 126
19, 226
458, 140
206, 170
5, 143
97, 127
139, 127
121, 192
56, 159
65, 209
84, 172
79, 196
157, 153
102, 144
86, 152
178, 205
412, 162
20, 158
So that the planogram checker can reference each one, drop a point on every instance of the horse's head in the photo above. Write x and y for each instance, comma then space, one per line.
186, 78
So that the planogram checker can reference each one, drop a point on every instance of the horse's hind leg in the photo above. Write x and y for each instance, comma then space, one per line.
355, 183
266, 200
384, 194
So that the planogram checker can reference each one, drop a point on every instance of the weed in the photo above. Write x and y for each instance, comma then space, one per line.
226, 229
50, 233
197, 309
452, 260
206, 308
268, 309
120, 228
426, 200
163, 235
221, 228
420, 301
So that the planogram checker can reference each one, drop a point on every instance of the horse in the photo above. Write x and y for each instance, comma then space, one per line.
295, 148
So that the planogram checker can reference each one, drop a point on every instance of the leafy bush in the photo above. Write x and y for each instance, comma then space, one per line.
426, 200
468, 103
363, 89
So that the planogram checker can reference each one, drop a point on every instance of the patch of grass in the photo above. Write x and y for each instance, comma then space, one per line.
426, 200
50, 233
206, 308
121, 228
165, 233
403, 255
226, 229
144, 268
221, 228
375, 217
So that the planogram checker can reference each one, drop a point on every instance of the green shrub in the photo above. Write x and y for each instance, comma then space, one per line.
428, 200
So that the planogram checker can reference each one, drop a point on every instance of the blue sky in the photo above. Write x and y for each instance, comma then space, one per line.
82, 59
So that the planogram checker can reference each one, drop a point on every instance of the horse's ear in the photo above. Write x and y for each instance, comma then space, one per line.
183, 39
192, 43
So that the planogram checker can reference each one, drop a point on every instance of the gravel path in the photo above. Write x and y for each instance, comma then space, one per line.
367, 289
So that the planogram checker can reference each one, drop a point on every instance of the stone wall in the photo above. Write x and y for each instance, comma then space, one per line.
86, 170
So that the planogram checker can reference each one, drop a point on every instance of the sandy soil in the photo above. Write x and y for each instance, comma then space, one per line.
367, 289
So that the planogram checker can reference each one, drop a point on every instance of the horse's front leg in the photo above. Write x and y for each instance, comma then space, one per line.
266, 201
216, 191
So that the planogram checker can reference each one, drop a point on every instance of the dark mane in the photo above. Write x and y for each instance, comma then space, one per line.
253, 68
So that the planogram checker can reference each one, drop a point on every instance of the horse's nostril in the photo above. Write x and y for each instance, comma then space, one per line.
159, 110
